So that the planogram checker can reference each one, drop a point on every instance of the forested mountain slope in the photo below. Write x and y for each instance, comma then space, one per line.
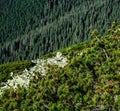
30, 28
89, 82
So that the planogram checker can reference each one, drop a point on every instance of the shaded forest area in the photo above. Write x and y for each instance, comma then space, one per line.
31, 28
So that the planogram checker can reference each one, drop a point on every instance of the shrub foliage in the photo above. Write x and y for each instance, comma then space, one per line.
90, 81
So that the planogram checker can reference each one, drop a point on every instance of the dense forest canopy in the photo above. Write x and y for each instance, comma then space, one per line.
31, 28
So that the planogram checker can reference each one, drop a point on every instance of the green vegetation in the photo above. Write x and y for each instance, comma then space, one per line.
90, 81
31, 28
15, 67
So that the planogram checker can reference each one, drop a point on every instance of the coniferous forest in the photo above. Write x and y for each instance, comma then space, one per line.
75, 45
31, 28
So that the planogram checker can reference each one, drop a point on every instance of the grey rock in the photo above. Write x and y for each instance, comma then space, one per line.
27, 75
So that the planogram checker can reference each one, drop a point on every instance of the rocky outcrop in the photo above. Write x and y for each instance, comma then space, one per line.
27, 75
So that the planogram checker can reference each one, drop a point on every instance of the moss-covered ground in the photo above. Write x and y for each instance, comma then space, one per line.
90, 81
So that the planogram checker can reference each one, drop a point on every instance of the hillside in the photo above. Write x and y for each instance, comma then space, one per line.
31, 28
82, 77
